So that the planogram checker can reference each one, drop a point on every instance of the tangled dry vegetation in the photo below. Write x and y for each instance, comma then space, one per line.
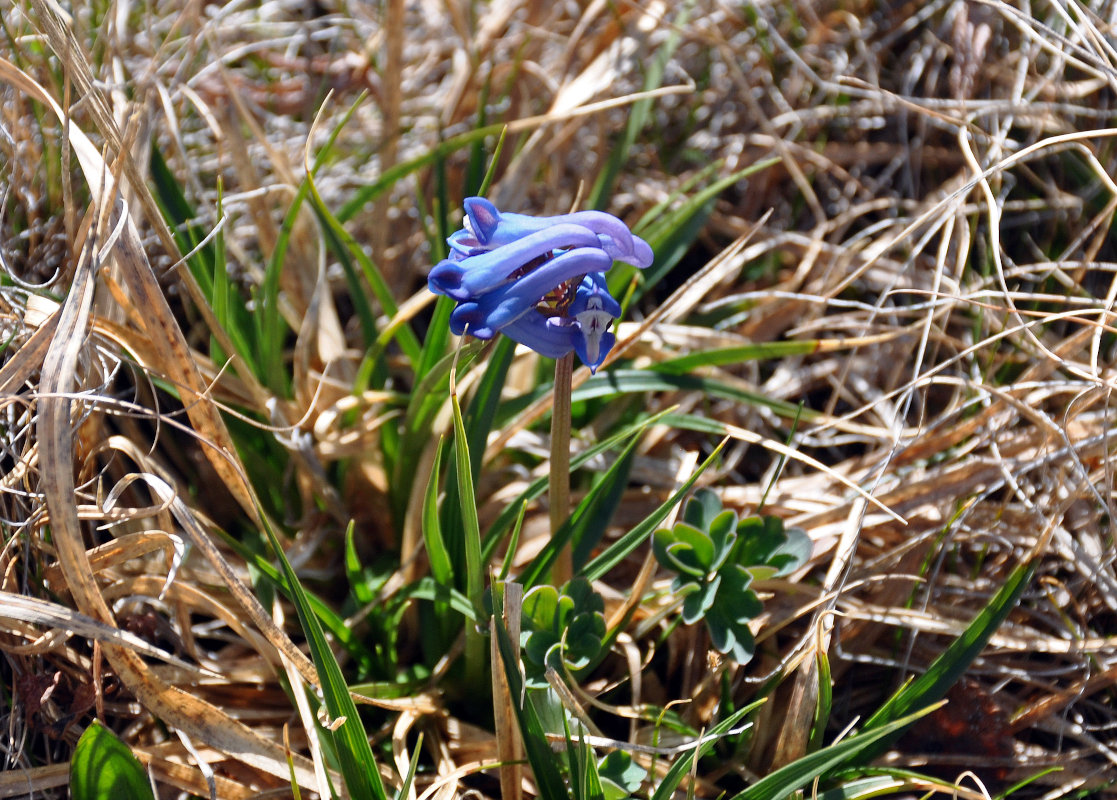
938, 220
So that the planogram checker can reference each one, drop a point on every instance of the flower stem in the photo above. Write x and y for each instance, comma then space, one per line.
563, 569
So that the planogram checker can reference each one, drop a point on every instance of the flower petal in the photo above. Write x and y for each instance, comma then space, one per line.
616, 239
490, 229
483, 272
546, 336
481, 218
470, 314
463, 244
594, 310
592, 350
514, 299
593, 294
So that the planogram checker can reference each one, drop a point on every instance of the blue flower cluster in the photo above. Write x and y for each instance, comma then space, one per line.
538, 280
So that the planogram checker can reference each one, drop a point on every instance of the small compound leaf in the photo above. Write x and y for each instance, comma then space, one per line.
681, 558
723, 533
540, 606
702, 508
696, 604
793, 553
620, 777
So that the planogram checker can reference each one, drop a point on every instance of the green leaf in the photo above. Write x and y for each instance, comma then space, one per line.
784, 782
702, 508
698, 602
948, 668
358, 765
540, 606
563, 629
103, 767
680, 557
683, 766
620, 777
474, 569
442, 567
620, 549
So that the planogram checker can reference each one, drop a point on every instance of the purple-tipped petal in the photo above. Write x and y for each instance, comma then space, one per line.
643, 253
501, 266
616, 238
491, 229
463, 244
546, 336
481, 218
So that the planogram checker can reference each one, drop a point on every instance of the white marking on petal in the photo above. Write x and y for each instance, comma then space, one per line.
594, 322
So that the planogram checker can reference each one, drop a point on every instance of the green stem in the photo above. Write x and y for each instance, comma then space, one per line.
563, 569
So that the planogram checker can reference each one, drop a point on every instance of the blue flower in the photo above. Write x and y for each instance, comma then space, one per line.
538, 280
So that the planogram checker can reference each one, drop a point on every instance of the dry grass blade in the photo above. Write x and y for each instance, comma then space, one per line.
199, 719
925, 265
14, 607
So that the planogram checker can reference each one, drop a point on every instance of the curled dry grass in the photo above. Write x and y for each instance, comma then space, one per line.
940, 216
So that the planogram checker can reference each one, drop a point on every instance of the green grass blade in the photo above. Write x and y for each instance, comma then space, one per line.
605, 498
683, 766
620, 549
427, 588
221, 291
638, 117
738, 355
358, 765
825, 701
206, 262
539, 486
366, 194
479, 422
949, 667
426, 398
270, 328
587, 522
442, 568
493, 162
471, 527
784, 782
412, 768
354, 568
634, 381
342, 633
673, 233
